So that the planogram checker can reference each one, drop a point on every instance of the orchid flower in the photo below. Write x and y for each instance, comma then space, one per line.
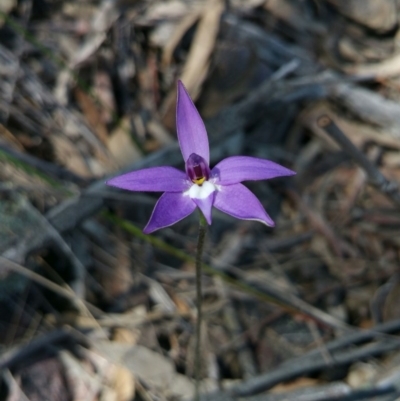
199, 186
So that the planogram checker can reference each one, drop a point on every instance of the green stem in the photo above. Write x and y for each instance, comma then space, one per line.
199, 253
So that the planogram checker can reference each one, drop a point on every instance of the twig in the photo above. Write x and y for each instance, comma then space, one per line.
317, 221
18, 256
245, 356
368, 105
318, 340
331, 392
37, 278
314, 361
301, 368
65, 292
51, 169
10, 359
290, 302
376, 178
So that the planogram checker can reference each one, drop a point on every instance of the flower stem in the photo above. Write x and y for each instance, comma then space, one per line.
199, 253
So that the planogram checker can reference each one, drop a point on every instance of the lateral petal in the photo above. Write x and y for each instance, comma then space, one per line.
235, 169
192, 134
170, 208
153, 179
238, 201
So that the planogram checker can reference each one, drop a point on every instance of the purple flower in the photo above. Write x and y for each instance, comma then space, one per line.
199, 186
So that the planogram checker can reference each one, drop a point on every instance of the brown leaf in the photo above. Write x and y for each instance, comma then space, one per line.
122, 146
92, 113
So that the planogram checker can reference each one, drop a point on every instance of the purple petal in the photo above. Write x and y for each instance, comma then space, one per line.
205, 205
154, 179
192, 134
233, 170
239, 202
170, 208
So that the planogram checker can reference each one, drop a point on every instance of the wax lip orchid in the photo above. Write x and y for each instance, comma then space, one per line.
199, 186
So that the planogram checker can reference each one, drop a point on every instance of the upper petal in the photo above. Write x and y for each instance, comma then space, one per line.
235, 169
192, 134
153, 179
240, 202
170, 208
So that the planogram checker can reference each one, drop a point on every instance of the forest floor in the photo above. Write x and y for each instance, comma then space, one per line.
93, 309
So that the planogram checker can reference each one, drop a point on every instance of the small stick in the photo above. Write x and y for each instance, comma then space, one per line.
376, 178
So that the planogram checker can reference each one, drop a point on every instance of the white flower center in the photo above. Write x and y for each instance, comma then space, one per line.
201, 191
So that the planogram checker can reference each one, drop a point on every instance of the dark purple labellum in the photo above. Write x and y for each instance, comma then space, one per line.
197, 169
